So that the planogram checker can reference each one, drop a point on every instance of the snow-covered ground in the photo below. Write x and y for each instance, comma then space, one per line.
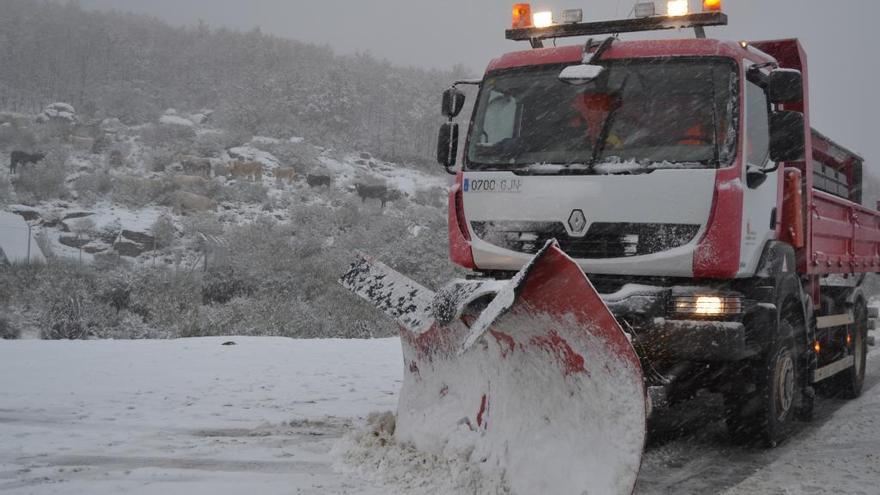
271, 415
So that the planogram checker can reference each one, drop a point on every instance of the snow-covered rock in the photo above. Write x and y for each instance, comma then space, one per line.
251, 154
17, 243
265, 140
58, 112
175, 120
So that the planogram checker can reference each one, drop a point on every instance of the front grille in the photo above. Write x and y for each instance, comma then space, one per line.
602, 240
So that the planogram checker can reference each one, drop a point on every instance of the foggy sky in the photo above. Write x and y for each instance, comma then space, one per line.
838, 35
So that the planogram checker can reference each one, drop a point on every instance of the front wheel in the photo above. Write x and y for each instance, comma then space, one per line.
768, 413
779, 395
779, 388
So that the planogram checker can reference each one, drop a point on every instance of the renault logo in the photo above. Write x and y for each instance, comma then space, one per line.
577, 222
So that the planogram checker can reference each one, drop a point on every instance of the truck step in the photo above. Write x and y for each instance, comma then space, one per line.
873, 312
872, 324
834, 320
871, 340
833, 368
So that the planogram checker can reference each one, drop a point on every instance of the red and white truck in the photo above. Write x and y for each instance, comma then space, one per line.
665, 202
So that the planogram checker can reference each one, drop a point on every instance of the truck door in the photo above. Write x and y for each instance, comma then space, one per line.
759, 203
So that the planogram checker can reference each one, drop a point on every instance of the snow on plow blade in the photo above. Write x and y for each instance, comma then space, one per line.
541, 388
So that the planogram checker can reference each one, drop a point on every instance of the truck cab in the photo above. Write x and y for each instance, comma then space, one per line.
679, 175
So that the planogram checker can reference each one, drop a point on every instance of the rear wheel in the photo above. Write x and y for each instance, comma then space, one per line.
853, 379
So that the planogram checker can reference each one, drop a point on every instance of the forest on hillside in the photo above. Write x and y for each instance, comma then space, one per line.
134, 67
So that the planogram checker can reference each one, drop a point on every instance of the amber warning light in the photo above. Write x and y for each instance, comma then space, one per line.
711, 5
522, 16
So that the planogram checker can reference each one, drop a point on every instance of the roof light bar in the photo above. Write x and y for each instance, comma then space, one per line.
542, 19
522, 16
654, 23
677, 8
645, 9
572, 16
711, 5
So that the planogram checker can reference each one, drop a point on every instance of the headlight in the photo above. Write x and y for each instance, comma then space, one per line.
704, 305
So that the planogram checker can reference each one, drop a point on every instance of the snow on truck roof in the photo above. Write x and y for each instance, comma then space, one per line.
630, 49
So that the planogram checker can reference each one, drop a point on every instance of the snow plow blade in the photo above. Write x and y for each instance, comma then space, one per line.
541, 388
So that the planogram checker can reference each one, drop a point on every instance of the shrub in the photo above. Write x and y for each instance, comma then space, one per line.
250, 192
66, 290
137, 192
165, 297
43, 181
213, 144
221, 284
302, 157
66, 319
7, 331
94, 187
116, 290
84, 227
164, 231
131, 326
6, 196
160, 160
176, 137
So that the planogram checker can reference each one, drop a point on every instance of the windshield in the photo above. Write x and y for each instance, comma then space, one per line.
642, 114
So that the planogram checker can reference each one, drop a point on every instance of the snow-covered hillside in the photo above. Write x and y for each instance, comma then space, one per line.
237, 234
271, 415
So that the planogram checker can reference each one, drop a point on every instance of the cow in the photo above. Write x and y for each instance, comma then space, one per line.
249, 170
288, 174
377, 191
22, 158
315, 180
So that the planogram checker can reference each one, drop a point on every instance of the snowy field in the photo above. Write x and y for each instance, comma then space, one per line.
272, 415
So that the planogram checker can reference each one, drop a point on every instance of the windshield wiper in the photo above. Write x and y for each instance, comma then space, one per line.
602, 139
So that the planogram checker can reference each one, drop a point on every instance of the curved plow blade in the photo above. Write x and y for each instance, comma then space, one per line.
542, 388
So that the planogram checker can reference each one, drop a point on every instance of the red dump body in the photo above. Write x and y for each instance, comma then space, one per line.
840, 235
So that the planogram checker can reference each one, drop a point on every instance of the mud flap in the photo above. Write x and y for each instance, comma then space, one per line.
542, 388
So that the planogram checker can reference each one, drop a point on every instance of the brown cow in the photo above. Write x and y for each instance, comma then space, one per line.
288, 174
250, 170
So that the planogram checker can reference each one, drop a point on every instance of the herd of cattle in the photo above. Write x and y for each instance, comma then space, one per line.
198, 167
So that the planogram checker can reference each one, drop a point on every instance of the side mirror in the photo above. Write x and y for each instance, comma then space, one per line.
447, 145
578, 75
787, 137
785, 86
755, 177
453, 102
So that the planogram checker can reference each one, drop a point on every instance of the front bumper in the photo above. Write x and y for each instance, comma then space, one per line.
658, 335
693, 340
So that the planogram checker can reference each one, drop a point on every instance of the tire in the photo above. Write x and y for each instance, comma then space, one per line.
778, 392
853, 379
768, 413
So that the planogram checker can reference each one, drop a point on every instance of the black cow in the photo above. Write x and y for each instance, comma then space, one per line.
318, 180
22, 158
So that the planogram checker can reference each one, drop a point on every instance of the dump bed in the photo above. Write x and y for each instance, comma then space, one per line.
845, 235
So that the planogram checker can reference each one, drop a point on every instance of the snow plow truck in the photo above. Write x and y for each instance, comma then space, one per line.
641, 220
